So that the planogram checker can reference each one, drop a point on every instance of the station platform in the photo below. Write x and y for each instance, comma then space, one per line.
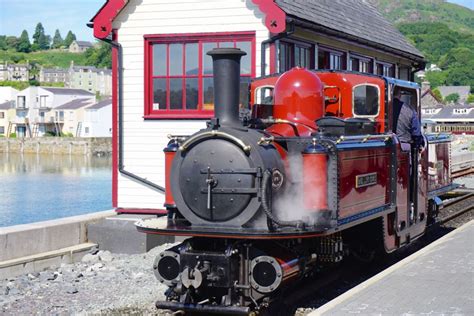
437, 280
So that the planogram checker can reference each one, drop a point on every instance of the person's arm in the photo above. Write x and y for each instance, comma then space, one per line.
416, 130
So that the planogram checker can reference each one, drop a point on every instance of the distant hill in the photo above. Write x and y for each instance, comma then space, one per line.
442, 31
457, 17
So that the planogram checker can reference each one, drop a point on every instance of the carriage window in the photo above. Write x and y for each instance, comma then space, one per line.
264, 95
365, 100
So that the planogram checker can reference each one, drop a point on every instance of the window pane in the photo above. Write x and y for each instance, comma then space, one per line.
192, 94
159, 94
192, 57
176, 59
176, 94
366, 100
354, 64
323, 62
208, 94
244, 93
159, 60
207, 60
226, 44
245, 64
298, 57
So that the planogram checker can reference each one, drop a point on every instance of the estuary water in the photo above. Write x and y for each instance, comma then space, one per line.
42, 187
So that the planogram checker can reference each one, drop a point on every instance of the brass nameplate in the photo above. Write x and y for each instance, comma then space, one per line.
365, 180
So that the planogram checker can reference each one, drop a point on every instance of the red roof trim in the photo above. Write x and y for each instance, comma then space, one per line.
275, 18
104, 18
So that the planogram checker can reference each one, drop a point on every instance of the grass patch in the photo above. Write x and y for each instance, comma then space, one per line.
48, 59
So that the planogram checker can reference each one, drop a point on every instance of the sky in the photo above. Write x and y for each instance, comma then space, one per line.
65, 15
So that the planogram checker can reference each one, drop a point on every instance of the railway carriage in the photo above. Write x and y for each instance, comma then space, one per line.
313, 174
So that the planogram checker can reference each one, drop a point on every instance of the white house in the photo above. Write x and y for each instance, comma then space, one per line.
98, 120
167, 76
79, 46
35, 105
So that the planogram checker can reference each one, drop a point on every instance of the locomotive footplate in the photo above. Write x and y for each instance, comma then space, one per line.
161, 226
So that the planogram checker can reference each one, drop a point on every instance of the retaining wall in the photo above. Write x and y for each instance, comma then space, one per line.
57, 145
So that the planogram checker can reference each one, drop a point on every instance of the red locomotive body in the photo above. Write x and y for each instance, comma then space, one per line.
314, 174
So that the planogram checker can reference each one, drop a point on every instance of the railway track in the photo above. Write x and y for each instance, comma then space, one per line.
456, 207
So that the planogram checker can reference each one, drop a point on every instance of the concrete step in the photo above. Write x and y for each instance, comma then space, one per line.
44, 260
118, 234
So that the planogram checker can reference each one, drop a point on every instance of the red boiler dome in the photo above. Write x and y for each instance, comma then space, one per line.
299, 97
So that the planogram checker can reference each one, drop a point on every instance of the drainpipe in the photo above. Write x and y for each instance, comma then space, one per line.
121, 166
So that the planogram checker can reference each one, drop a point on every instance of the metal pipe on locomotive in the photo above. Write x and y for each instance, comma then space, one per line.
268, 202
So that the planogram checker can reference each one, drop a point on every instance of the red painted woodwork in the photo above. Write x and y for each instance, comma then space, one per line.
183, 38
298, 97
105, 16
275, 18
353, 163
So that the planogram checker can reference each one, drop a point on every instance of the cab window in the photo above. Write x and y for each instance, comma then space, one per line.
366, 100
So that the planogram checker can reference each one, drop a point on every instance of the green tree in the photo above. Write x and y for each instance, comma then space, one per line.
470, 98
70, 37
24, 45
453, 97
436, 78
40, 39
437, 93
12, 42
3, 42
39, 31
99, 56
16, 58
57, 40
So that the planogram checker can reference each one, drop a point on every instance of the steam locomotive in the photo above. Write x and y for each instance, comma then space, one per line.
313, 175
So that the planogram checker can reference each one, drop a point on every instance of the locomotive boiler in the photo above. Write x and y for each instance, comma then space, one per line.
313, 175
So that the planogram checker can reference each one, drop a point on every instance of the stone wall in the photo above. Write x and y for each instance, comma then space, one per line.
58, 145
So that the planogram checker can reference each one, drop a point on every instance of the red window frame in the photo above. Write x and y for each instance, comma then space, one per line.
200, 38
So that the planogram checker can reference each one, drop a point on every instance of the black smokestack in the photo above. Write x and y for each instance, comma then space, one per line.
226, 64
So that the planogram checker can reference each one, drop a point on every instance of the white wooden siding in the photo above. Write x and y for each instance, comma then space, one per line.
144, 140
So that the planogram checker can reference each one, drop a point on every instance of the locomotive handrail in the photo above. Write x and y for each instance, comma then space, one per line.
213, 133
363, 138
283, 121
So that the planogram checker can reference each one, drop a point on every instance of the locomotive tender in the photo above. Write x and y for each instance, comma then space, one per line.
313, 175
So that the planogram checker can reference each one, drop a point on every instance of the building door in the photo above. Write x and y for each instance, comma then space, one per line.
21, 131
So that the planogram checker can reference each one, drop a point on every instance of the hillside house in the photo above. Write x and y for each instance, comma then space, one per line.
91, 79
54, 75
79, 46
35, 105
167, 76
98, 120
15, 72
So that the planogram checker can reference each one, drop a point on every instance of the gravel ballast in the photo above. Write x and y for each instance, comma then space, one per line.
102, 283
